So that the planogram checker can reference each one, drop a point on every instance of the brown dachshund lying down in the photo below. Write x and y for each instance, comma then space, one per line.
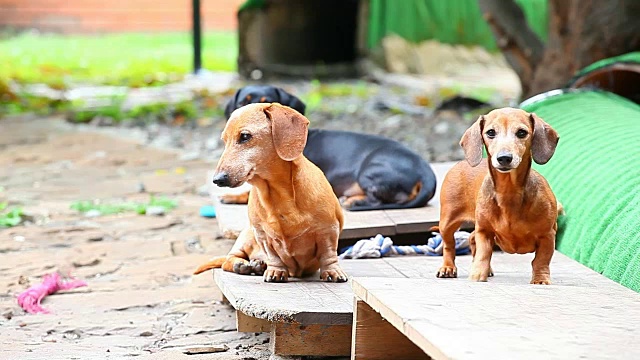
512, 204
295, 218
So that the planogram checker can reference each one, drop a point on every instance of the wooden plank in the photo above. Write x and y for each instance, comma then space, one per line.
414, 220
583, 315
310, 340
365, 224
246, 323
304, 301
375, 338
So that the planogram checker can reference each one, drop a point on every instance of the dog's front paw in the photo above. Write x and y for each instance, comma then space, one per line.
274, 274
447, 272
541, 280
353, 201
334, 275
480, 276
234, 198
253, 267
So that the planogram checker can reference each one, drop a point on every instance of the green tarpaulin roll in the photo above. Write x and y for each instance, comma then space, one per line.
595, 174
633, 57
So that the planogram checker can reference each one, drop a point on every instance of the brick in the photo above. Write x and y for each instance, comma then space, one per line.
80, 16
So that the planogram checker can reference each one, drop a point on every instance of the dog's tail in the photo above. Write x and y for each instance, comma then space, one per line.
213, 264
424, 190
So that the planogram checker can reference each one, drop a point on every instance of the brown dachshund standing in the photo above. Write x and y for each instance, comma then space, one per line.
295, 218
511, 204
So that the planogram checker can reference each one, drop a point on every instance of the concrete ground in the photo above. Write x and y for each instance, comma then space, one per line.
141, 299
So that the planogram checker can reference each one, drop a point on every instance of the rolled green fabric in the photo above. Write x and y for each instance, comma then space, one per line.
629, 58
595, 174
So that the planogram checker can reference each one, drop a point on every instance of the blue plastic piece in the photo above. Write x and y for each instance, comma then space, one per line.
208, 211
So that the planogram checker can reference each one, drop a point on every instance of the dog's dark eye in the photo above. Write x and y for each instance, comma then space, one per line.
244, 137
491, 133
521, 134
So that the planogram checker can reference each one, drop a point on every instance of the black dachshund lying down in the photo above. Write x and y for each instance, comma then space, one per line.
367, 172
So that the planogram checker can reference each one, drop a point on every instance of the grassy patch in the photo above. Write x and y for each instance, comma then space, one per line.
203, 105
117, 208
320, 90
117, 59
9, 216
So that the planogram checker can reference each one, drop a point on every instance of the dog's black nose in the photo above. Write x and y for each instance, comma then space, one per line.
221, 179
504, 159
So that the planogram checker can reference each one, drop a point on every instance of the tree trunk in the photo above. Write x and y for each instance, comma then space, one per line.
580, 33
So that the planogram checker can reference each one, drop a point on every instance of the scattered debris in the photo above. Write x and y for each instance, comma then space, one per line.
93, 213
205, 349
203, 190
93, 262
72, 334
155, 211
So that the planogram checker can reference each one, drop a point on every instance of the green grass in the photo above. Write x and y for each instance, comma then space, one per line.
116, 208
9, 216
118, 59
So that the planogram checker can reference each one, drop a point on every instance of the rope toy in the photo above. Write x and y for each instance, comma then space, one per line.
30, 299
380, 246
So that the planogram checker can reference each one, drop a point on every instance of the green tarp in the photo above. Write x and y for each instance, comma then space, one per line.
448, 21
633, 57
595, 174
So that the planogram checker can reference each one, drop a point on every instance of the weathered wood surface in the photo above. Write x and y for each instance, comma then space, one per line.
310, 340
375, 338
364, 224
303, 301
310, 301
582, 315
416, 220
246, 323
358, 224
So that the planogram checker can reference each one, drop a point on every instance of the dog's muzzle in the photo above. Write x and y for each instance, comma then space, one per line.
222, 179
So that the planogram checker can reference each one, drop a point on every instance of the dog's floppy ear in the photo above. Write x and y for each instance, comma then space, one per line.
231, 105
290, 101
544, 142
471, 142
289, 130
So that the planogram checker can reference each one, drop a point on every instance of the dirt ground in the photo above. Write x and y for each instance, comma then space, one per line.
141, 299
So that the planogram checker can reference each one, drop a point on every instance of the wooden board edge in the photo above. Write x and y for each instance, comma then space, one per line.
310, 340
227, 296
247, 323
374, 338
